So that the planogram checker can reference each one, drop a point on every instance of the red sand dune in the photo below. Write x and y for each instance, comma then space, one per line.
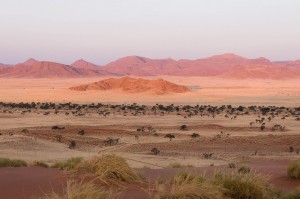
134, 85
226, 65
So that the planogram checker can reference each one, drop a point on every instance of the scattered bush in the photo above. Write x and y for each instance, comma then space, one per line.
155, 151
207, 155
291, 149
294, 170
40, 164
57, 128
195, 135
72, 144
69, 164
5, 162
183, 127
81, 132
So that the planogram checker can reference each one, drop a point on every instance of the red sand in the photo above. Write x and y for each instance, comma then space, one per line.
28, 182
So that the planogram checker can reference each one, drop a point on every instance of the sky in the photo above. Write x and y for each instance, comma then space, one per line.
101, 31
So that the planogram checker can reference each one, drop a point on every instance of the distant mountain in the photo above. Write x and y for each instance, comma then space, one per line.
138, 66
45, 69
134, 85
226, 66
85, 65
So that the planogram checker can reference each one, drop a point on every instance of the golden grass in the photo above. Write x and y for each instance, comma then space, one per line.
82, 190
185, 185
69, 164
294, 170
40, 164
109, 169
246, 186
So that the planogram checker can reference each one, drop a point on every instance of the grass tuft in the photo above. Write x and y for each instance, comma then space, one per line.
294, 170
109, 169
81, 190
69, 164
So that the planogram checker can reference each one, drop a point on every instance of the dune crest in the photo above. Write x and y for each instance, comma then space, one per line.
134, 85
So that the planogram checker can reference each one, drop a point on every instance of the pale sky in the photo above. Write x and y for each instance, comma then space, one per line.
103, 30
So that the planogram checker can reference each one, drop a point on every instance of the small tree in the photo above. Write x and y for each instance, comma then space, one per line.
262, 128
170, 136
183, 127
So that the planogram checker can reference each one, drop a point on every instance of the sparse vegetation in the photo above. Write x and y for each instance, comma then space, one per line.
5, 162
40, 164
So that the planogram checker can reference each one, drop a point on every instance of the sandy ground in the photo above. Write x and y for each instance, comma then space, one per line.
206, 90
264, 151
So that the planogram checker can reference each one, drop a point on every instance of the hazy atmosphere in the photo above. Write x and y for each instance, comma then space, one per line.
101, 31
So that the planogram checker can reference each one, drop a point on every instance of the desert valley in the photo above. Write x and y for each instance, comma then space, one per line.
151, 128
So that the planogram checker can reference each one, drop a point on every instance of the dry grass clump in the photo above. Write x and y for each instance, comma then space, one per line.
185, 185
220, 186
109, 169
292, 195
5, 162
246, 186
69, 164
83, 190
294, 170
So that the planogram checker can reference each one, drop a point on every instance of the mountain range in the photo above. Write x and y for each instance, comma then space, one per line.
225, 66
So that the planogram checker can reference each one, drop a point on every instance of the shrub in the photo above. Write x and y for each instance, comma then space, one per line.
81, 132
244, 170
69, 164
82, 190
5, 162
183, 127
207, 155
40, 164
294, 170
57, 128
155, 151
109, 169
72, 144
195, 135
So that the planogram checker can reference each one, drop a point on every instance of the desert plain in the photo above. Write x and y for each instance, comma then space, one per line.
224, 115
